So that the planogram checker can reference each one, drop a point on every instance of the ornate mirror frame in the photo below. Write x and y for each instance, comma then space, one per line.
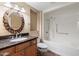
7, 26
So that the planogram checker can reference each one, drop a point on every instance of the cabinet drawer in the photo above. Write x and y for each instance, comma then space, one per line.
33, 41
8, 51
22, 46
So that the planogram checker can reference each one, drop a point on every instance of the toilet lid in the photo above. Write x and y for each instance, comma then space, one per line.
42, 45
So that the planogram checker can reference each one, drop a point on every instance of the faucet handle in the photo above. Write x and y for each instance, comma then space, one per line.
17, 34
20, 35
12, 37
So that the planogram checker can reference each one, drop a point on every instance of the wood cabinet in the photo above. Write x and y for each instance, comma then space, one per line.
22, 46
20, 53
31, 51
8, 51
24, 49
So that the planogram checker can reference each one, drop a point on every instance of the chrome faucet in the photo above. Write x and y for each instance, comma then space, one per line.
12, 37
17, 35
20, 36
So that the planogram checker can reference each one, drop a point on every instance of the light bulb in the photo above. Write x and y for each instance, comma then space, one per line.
23, 10
16, 7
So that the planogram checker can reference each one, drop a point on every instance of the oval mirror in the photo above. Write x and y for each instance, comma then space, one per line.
13, 21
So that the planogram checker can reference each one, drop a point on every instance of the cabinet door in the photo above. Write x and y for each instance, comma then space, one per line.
8, 52
20, 53
22, 46
31, 51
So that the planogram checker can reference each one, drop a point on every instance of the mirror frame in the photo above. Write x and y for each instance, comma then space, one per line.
8, 28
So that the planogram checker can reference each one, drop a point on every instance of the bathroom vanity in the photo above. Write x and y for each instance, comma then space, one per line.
14, 24
26, 47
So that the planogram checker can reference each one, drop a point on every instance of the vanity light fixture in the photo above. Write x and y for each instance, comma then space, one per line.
8, 4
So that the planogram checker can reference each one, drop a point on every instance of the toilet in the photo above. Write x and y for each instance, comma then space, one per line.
42, 47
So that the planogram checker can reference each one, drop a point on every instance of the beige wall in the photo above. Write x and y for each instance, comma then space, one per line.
33, 21
39, 24
26, 15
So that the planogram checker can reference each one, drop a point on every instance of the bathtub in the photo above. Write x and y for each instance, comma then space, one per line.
62, 48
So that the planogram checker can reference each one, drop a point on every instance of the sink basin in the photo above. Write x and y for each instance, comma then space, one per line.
18, 39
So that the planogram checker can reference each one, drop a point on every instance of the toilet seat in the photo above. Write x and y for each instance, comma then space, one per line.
42, 45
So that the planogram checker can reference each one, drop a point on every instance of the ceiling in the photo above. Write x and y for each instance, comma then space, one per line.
48, 6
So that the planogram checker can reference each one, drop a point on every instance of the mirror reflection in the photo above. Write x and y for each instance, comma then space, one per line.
15, 21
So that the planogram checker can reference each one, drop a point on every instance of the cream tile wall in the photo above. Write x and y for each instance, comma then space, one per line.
67, 18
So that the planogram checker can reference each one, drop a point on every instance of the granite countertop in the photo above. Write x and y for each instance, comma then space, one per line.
7, 43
